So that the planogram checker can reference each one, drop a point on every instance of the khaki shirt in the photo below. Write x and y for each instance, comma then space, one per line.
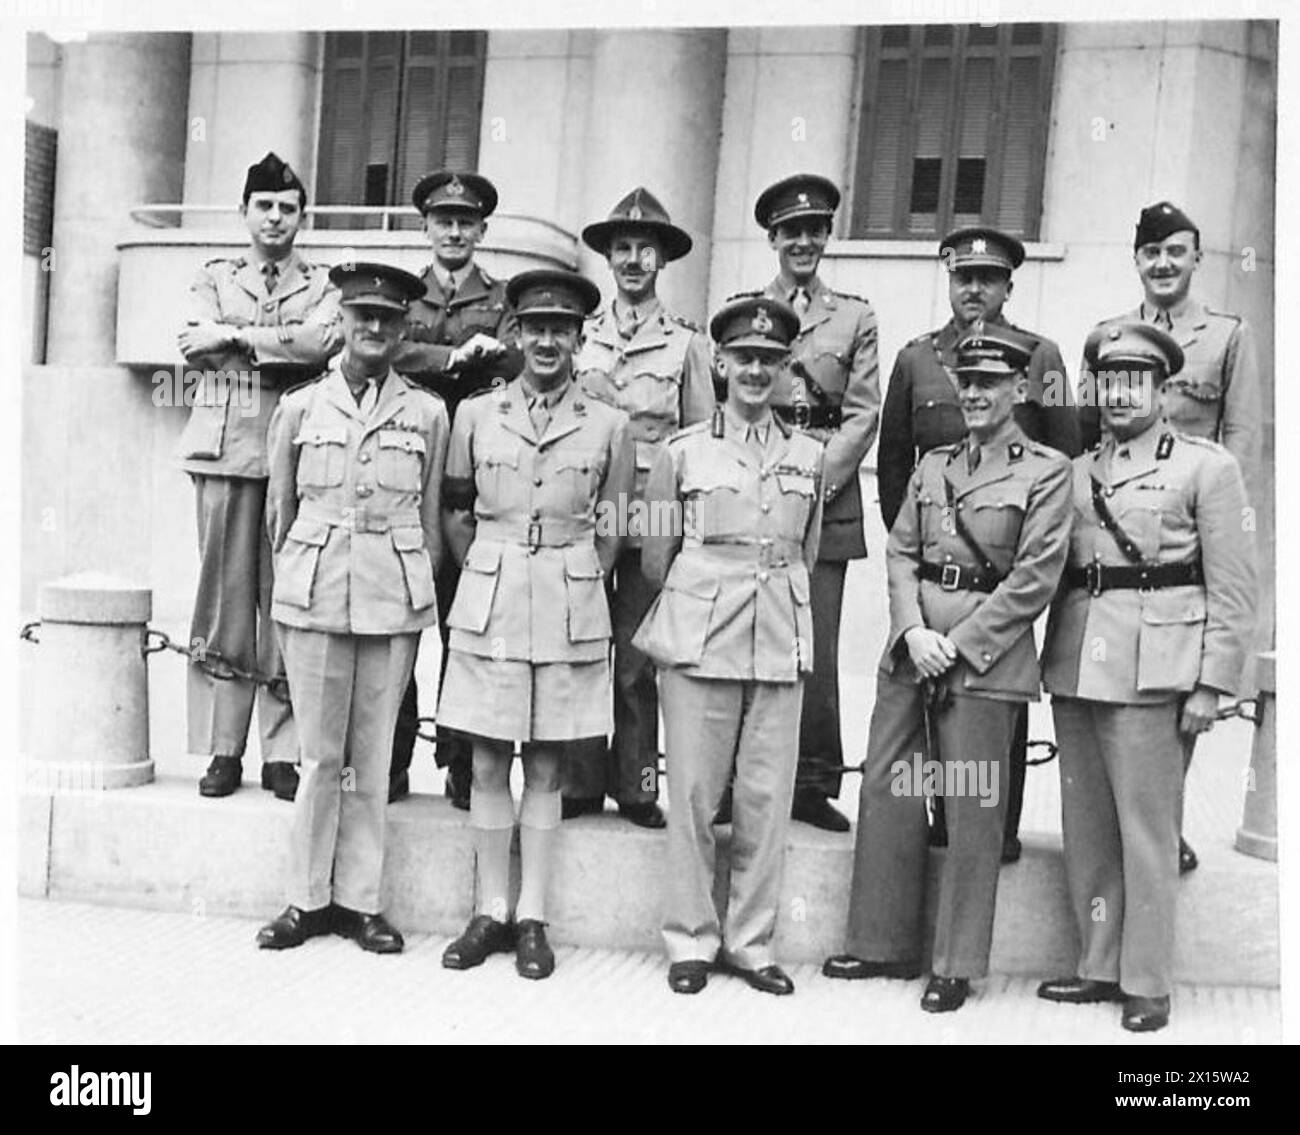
833, 362
1178, 498
546, 525
291, 331
1217, 395
1016, 505
660, 378
734, 561
352, 507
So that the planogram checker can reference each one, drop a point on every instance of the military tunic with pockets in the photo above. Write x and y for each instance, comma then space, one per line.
1118, 665
530, 627
661, 379
731, 632
353, 513
1016, 507
291, 332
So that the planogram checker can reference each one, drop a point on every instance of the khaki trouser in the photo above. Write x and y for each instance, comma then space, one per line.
232, 614
1121, 811
712, 725
346, 689
891, 857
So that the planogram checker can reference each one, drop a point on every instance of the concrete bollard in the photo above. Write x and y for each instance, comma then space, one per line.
1257, 835
92, 689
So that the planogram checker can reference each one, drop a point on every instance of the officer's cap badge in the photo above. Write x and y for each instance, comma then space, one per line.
762, 322
455, 187
1114, 333
802, 198
634, 213
979, 245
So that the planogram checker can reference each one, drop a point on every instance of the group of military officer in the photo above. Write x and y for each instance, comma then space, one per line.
501, 422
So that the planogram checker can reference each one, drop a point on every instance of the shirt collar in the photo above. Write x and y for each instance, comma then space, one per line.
549, 398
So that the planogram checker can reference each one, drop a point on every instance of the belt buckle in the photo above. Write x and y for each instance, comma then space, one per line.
1092, 578
360, 519
534, 535
950, 577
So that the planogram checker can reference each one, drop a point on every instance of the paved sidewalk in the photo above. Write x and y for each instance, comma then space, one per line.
92, 974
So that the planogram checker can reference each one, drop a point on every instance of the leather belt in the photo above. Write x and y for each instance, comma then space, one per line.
808, 417
1096, 577
544, 532
768, 551
359, 518
957, 577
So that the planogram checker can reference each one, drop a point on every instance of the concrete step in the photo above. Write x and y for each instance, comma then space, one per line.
163, 846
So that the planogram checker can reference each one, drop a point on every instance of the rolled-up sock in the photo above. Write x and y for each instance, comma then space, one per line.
492, 816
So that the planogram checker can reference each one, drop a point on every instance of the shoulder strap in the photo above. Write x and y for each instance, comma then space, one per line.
1131, 551
986, 565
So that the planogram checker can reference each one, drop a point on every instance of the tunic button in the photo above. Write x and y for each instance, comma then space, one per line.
948, 558
767, 507
987, 656
269, 305
762, 577
364, 490
537, 481
536, 514
364, 458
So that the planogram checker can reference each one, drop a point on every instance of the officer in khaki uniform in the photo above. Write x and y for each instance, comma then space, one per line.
536, 474
735, 508
654, 366
923, 410
973, 558
830, 386
356, 472
258, 323
1150, 629
1217, 393
460, 338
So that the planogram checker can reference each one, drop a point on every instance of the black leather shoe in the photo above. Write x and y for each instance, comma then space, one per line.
813, 808
1010, 850
370, 931
1080, 991
223, 776
399, 787
457, 786
846, 967
646, 814
571, 807
1145, 1014
1187, 860
533, 955
281, 778
945, 994
292, 927
723, 814
483, 936
688, 977
769, 979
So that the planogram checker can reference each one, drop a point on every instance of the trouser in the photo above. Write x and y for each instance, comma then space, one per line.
628, 768
346, 689
710, 727
232, 615
1015, 782
891, 857
820, 752
452, 747
1121, 810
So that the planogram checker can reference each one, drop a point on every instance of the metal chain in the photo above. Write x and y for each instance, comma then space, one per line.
215, 664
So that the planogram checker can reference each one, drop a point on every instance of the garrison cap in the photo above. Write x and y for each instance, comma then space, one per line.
993, 350
641, 210
981, 247
447, 189
802, 195
272, 175
376, 285
1132, 343
552, 291
755, 321
1159, 221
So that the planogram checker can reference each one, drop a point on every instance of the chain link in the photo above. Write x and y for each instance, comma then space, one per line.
215, 664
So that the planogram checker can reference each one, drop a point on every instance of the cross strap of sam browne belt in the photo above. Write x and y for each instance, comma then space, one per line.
989, 567
1126, 545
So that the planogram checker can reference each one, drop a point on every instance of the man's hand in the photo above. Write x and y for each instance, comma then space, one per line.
1198, 711
932, 654
478, 346
204, 337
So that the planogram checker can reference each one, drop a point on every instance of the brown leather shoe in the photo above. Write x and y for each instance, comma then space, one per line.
292, 927
223, 776
688, 977
846, 967
768, 979
281, 778
371, 932
482, 937
945, 994
1080, 991
1145, 1014
533, 955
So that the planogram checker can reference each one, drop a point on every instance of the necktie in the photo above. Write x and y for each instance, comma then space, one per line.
801, 300
754, 435
972, 459
272, 274
369, 398
1163, 320
540, 412
628, 323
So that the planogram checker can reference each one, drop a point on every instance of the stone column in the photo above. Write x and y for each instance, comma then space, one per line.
249, 93
655, 119
121, 144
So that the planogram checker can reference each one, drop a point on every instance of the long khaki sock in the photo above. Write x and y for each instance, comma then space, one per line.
539, 830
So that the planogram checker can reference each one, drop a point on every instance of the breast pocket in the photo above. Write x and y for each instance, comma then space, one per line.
996, 518
798, 491
936, 422
417, 569
584, 585
297, 561
496, 473
476, 592
577, 472
400, 461
322, 456
653, 398
1170, 639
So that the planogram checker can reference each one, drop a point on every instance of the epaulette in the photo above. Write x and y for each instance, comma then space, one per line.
482, 390
688, 431
926, 337
744, 295
302, 385
1202, 442
1223, 314
218, 260
1034, 335
849, 296
682, 321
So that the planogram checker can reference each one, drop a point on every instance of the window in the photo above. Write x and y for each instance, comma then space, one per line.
38, 190
395, 105
952, 129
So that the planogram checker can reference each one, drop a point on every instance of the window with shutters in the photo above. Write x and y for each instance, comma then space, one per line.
394, 106
38, 189
952, 129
